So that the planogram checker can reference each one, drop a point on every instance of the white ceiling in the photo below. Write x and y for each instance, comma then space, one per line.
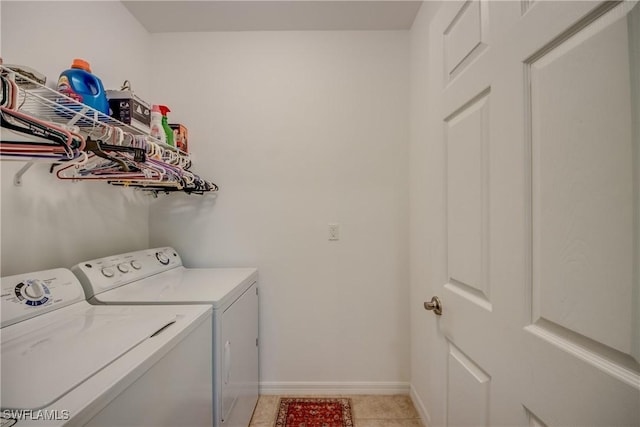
159, 16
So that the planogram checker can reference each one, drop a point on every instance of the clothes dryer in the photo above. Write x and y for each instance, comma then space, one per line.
158, 277
68, 363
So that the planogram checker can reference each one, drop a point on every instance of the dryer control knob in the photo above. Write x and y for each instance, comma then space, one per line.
34, 290
124, 268
136, 265
162, 257
108, 272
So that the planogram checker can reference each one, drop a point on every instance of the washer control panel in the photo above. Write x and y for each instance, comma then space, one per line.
102, 274
31, 294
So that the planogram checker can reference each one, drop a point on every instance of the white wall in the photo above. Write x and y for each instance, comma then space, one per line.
50, 223
427, 244
300, 129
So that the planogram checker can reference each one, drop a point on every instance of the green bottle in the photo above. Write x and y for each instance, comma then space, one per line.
165, 125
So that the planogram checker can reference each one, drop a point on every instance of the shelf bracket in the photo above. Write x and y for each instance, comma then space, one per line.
17, 179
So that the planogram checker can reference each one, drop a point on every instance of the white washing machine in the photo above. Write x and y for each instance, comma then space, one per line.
66, 362
157, 276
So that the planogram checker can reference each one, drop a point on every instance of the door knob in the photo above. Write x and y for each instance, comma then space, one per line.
434, 305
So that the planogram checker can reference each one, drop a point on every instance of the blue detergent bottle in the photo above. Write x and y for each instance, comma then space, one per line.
80, 84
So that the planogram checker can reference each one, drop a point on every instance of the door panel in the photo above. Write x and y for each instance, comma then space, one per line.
540, 293
582, 184
534, 421
465, 37
468, 387
466, 139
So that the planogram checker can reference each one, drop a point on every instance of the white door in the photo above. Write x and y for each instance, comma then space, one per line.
538, 107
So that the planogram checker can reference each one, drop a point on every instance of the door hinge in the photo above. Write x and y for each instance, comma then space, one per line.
256, 290
256, 342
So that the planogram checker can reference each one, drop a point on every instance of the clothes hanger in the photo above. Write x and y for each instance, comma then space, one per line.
109, 162
95, 168
5, 92
56, 136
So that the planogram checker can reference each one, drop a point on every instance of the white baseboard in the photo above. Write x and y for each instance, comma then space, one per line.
337, 388
419, 405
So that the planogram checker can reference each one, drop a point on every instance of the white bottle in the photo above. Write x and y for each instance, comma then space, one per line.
157, 131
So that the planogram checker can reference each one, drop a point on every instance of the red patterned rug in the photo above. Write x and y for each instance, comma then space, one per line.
314, 412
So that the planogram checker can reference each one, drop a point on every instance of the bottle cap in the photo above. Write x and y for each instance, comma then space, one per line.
155, 108
82, 64
164, 109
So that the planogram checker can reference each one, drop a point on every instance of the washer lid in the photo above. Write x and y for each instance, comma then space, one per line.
215, 286
46, 357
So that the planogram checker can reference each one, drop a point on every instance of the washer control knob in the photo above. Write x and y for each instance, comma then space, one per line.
34, 290
136, 265
124, 268
108, 272
162, 257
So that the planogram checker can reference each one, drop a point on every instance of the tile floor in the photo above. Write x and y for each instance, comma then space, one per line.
367, 411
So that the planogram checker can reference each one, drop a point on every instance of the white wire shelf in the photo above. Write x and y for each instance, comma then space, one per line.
103, 148
50, 105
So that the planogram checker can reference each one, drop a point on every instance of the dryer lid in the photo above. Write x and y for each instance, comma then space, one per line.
215, 286
46, 357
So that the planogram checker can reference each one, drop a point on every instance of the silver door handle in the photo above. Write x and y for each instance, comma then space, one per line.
434, 305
